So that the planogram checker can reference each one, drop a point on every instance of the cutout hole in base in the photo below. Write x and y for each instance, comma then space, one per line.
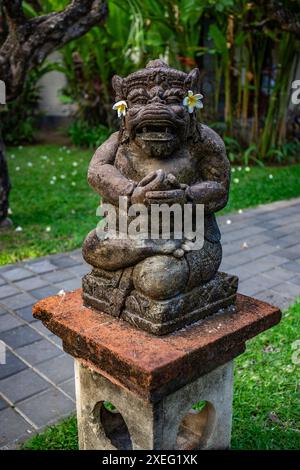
196, 427
113, 425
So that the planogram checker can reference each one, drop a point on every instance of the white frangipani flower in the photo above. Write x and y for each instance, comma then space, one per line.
192, 101
236, 180
48, 229
121, 108
61, 293
19, 229
247, 169
228, 221
240, 211
270, 177
29, 164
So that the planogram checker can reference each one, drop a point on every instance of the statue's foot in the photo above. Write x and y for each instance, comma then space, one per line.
161, 277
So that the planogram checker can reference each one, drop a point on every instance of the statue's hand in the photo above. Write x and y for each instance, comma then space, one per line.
151, 182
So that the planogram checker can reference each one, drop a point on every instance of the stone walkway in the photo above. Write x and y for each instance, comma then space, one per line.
261, 246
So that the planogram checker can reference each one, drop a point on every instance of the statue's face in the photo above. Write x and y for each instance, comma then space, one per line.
156, 120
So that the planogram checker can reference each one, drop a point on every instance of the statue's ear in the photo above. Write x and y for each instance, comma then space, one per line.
192, 80
117, 83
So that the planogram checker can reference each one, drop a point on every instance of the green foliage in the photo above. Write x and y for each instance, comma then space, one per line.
85, 135
109, 406
266, 405
60, 437
248, 68
185, 33
62, 207
287, 153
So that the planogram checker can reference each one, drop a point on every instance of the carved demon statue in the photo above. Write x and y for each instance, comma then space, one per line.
161, 154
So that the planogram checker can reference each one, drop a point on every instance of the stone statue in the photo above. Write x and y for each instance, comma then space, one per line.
161, 154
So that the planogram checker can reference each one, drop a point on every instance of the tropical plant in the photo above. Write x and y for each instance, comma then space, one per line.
85, 135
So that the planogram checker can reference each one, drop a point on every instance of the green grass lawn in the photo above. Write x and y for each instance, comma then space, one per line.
266, 395
55, 208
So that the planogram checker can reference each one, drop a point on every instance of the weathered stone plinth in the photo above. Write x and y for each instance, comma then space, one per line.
113, 294
153, 381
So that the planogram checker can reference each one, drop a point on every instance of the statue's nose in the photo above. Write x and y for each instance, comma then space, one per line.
157, 99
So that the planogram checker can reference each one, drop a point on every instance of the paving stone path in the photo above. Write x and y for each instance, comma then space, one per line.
261, 246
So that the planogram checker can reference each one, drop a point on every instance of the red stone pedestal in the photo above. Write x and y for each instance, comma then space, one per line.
147, 368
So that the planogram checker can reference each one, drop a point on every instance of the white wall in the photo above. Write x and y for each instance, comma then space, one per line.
50, 88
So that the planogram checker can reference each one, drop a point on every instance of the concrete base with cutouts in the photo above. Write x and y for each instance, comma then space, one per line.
168, 424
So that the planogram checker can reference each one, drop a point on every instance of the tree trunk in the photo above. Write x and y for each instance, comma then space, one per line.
4, 188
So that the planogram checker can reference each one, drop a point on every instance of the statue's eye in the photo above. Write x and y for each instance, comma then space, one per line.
173, 100
140, 100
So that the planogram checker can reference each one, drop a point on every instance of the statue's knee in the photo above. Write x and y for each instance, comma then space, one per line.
161, 277
89, 247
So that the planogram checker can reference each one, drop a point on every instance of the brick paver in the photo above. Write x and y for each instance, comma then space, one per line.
260, 245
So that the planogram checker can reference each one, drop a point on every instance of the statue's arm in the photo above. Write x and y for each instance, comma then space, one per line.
212, 190
104, 177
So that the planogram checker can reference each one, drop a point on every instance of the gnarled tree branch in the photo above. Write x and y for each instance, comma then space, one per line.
284, 18
30, 41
